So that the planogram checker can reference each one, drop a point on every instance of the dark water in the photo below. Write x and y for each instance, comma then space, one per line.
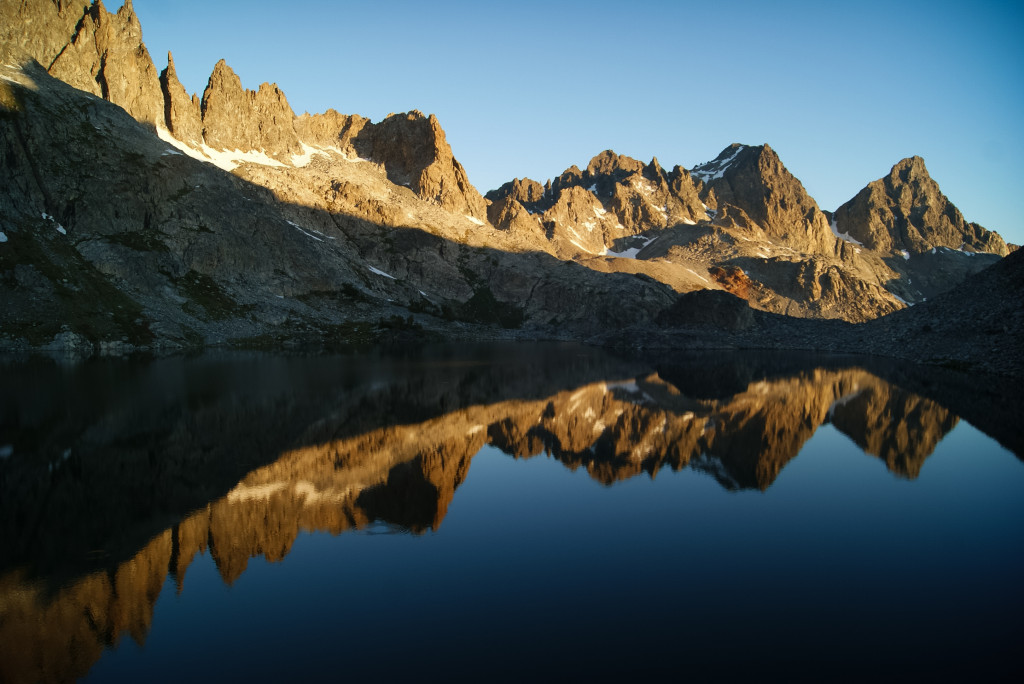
506, 512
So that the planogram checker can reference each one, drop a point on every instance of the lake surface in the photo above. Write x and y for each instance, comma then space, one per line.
501, 513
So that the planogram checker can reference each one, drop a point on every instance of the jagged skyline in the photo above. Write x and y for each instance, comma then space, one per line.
558, 95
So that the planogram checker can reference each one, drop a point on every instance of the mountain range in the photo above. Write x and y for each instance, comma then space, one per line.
134, 215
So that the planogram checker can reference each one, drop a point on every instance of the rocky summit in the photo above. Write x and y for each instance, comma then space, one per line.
134, 214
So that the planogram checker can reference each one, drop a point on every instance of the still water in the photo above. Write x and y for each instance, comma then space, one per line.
500, 513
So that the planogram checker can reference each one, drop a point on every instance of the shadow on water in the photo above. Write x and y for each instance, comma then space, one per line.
114, 474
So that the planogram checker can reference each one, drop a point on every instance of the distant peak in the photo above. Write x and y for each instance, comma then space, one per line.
908, 169
910, 162
608, 162
714, 169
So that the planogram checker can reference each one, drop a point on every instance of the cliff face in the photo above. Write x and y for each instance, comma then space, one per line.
183, 115
906, 211
101, 53
238, 119
100, 216
755, 181
88, 48
414, 151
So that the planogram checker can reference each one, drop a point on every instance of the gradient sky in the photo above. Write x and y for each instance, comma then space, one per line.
842, 91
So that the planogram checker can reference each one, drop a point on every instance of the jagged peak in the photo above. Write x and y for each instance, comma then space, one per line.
170, 70
716, 168
272, 88
522, 190
127, 15
222, 68
908, 169
653, 171
127, 10
608, 163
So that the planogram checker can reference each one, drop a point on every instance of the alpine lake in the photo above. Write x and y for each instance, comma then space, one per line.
507, 512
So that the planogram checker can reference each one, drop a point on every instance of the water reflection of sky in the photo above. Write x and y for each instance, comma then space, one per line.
451, 559
537, 567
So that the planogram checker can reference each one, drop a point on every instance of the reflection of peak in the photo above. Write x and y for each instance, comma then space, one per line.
406, 475
901, 428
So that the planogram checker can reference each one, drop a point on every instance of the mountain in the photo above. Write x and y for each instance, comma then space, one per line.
583, 213
135, 215
117, 232
751, 184
906, 212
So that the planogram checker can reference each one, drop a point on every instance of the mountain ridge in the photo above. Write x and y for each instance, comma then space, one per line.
368, 222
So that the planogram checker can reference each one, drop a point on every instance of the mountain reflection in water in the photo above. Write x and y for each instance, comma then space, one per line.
116, 475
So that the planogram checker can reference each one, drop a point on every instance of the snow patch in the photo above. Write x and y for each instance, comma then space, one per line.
3, 236
307, 231
6, 451
474, 219
632, 251
579, 246
246, 493
223, 159
843, 236
304, 231
60, 229
845, 399
381, 273
906, 254
308, 152
593, 188
713, 170
697, 274
643, 187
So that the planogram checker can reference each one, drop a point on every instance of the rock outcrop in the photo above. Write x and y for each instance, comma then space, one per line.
102, 53
107, 58
183, 114
415, 153
591, 211
906, 211
755, 181
235, 118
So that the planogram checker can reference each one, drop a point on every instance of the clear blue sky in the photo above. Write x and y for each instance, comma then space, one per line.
842, 91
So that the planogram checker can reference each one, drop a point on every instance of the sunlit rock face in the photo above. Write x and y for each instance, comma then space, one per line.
755, 181
226, 218
742, 428
906, 211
